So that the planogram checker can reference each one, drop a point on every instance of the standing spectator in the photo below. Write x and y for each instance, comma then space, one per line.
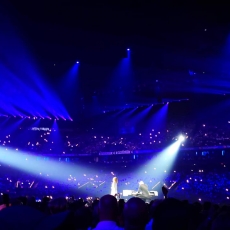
108, 213
171, 214
135, 214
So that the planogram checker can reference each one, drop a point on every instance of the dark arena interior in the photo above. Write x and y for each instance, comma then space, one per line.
114, 115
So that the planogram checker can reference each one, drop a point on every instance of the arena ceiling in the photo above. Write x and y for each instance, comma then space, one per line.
178, 50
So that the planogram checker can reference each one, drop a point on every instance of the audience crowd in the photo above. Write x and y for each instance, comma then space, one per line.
51, 140
193, 194
108, 213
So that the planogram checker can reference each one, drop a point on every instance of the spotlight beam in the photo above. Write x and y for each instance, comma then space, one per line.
161, 163
31, 164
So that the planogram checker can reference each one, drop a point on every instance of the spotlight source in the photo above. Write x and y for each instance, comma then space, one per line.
181, 138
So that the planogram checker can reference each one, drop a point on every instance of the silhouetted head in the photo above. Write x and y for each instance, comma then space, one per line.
135, 214
108, 208
171, 214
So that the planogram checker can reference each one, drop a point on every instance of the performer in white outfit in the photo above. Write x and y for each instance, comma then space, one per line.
114, 186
